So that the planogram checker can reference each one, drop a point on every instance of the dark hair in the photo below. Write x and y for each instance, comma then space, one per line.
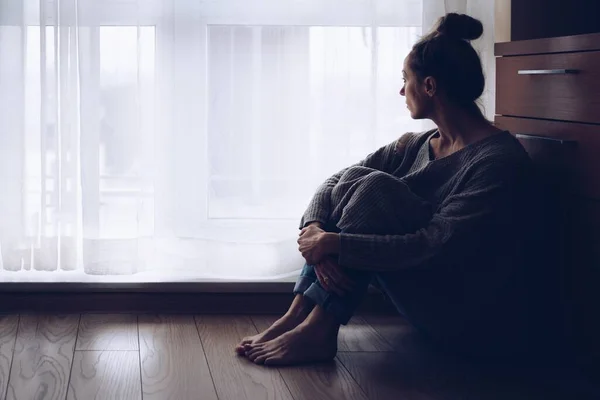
447, 55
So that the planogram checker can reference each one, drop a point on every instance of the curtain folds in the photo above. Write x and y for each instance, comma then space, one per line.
171, 140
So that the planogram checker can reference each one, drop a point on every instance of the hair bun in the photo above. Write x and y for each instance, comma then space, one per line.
460, 26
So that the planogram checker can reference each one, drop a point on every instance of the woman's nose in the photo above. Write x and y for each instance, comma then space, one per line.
402, 91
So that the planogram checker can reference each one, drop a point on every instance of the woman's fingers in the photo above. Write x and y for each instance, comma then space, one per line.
307, 255
337, 274
327, 281
321, 278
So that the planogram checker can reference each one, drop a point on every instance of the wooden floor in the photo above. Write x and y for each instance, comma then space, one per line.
121, 356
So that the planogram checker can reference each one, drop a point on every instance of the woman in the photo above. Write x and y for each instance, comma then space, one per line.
448, 269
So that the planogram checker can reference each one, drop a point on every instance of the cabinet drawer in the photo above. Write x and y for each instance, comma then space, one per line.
562, 86
572, 149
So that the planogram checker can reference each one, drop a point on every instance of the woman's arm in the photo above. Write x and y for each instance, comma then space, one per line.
384, 159
466, 222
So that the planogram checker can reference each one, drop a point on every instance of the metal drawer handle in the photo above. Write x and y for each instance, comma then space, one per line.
546, 71
548, 139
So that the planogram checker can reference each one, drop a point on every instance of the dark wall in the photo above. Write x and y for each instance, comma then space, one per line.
535, 19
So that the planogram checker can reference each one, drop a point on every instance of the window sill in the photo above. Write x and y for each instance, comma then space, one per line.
148, 287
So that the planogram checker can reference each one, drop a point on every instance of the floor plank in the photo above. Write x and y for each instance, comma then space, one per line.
235, 377
358, 335
318, 381
105, 375
8, 335
402, 336
173, 362
396, 376
42, 358
379, 376
107, 332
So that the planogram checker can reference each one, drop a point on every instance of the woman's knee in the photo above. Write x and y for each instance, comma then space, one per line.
379, 179
380, 184
355, 172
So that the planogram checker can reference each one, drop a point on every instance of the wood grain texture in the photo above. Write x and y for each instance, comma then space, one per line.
107, 332
235, 377
8, 335
358, 335
392, 376
42, 358
548, 18
380, 376
173, 362
581, 164
108, 375
402, 336
318, 381
565, 97
549, 45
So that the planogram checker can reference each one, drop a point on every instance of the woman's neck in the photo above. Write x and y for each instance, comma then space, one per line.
458, 128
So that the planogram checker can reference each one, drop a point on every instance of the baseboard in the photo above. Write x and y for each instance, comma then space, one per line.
222, 298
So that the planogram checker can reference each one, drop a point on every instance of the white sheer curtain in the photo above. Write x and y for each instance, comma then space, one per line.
167, 140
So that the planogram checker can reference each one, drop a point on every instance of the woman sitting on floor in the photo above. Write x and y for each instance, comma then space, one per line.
435, 218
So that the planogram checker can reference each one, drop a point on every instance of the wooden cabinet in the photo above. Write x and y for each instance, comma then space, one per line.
571, 149
561, 86
548, 96
534, 19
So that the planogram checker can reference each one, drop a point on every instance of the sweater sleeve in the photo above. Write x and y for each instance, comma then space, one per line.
383, 159
465, 221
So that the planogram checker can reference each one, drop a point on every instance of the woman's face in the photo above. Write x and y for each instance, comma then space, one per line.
418, 101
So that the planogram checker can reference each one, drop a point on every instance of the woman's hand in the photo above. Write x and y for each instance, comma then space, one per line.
311, 244
332, 277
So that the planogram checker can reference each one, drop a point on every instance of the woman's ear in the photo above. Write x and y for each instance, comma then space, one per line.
430, 85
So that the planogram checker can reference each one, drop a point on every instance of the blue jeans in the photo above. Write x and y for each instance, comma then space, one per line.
344, 307
341, 307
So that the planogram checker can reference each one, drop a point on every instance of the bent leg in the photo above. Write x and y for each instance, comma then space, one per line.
341, 307
300, 308
381, 203
315, 339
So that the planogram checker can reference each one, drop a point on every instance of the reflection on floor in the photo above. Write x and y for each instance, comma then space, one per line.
124, 356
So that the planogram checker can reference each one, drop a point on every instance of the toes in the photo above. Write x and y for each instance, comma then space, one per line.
248, 347
252, 350
274, 359
251, 345
257, 354
259, 358
240, 348
251, 357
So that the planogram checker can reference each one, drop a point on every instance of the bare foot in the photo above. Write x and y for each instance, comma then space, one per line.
305, 343
279, 327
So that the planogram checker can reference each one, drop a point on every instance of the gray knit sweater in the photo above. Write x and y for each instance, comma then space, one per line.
474, 191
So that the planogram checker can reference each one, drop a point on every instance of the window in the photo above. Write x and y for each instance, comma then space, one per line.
308, 100
182, 139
